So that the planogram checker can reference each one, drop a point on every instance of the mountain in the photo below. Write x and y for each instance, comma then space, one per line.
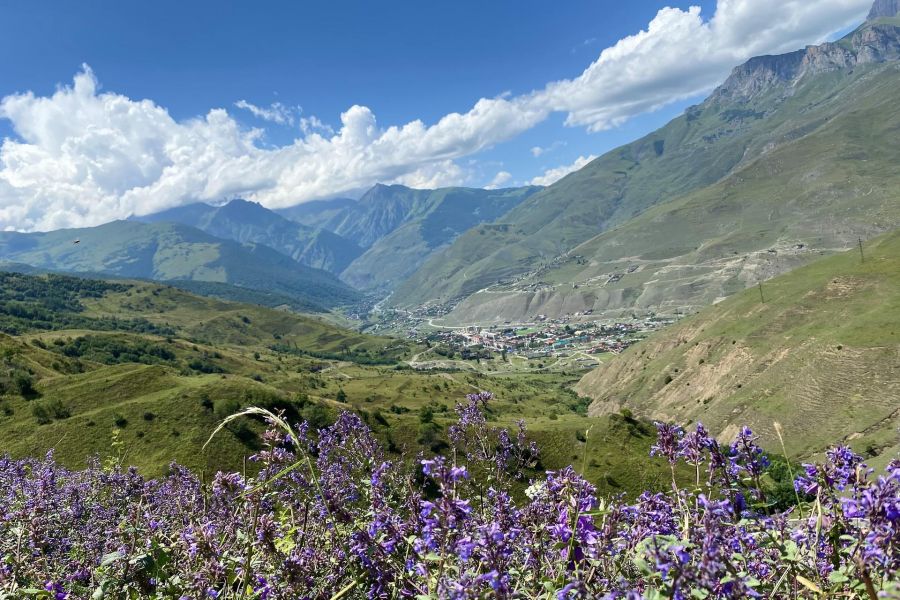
400, 227
170, 251
316, 213
248, 222
884, 9
379, 212
793, 154
821, 355
412, 225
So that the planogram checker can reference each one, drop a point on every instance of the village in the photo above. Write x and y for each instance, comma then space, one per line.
578, 339
547, 337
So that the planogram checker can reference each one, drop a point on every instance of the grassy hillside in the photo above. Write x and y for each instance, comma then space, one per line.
434, 219
316, 213
248, 222
821, 355
810, 196
161, 367
762, 164
168, 251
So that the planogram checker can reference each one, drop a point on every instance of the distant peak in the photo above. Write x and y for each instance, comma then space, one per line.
884, 8
380, 191
242, 202
239, 204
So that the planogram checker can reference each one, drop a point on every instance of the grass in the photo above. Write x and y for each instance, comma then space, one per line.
88, 386
820, 355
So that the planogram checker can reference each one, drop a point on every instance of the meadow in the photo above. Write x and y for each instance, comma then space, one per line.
156, 369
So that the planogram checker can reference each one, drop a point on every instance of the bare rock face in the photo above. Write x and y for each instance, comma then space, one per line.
884, 8
871, 43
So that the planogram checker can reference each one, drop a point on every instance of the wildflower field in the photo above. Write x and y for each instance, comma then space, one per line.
328, 516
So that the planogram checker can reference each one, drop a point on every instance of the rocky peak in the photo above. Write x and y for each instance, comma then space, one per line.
884, 9
870, 43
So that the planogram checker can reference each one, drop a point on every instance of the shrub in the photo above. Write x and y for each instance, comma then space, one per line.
24, 385
45, 411
41, 414
226, 407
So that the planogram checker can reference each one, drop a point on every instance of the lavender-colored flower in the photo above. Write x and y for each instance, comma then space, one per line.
328, 514
668, 442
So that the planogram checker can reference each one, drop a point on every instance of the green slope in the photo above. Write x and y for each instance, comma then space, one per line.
767, 109
317, 213
248, 222
821, 355
163, 367
431, 220
809, 196
167, 251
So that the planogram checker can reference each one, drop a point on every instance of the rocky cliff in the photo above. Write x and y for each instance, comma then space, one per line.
873, 42
884, 9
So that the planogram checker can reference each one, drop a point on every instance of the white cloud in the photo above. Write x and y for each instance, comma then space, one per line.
538, 151
312, 124
82, 157
499, 180
680, 55
551, 176
275, 113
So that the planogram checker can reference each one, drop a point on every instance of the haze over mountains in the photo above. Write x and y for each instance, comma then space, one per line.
793, 154
791, 158
248, 222
179, 253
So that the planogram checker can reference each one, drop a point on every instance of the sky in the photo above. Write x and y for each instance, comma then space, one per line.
112, 108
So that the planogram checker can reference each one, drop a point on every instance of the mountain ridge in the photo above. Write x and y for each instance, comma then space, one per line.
167, 251
817, 349
884, 8
497, 272
243, 221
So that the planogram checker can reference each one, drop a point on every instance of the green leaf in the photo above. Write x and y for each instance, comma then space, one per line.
837, 577
110, 558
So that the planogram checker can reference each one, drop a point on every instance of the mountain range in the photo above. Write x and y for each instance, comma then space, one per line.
793, 156
790, 159
248, 222
179, 253
372, 243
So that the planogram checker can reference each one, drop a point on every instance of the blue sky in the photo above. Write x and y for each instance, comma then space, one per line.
402, 61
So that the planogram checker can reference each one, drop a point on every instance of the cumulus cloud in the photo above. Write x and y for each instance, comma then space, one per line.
499, 180
82, 157
312, 124
551, 176
681, 55
275, 113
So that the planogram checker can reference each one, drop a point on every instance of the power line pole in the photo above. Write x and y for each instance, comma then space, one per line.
761, 297
862, 257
